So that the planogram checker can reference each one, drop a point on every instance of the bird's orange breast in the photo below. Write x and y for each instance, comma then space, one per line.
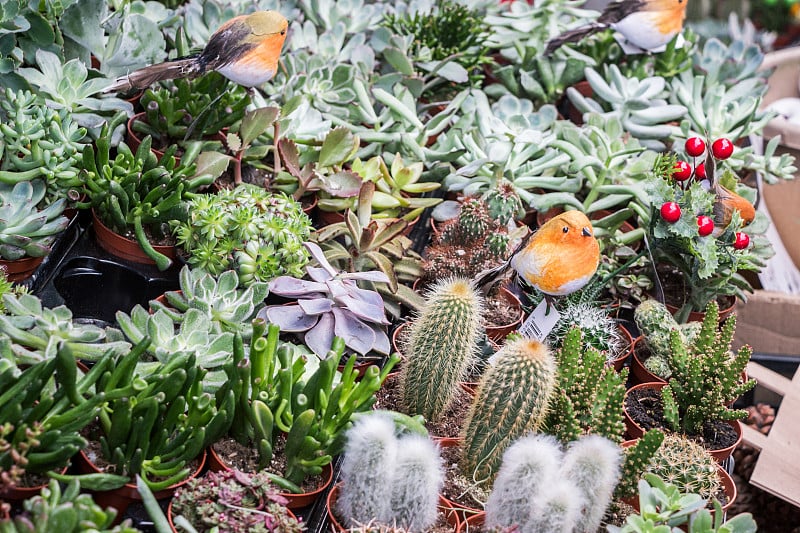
667, 15
265, 55
558, 267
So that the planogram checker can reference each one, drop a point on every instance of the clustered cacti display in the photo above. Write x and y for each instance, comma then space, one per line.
258, 233
468, 244
511, 401
541, 488
687, 465
389, 479
655, 323
442, 347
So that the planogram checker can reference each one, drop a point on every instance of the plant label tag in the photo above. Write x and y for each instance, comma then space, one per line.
540, 322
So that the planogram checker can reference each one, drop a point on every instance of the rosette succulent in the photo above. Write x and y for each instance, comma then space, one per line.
331, 304
248, 229
24, 229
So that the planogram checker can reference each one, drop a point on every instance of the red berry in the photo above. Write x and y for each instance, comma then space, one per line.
683, 171
705, 225
695, 146
671, 212
700, 171
722, 148
742, 241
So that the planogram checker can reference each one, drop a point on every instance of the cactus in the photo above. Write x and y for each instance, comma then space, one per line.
687, 465
442, 348
389, 480
368, 456
473, 220
557, 509
503, 203
637, 457
592, 465
658, 365
497, 243
511, 401
599, 329
655, 322
528, 467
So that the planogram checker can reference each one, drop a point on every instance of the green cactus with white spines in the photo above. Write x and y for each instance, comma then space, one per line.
503, 202
497, 243
473, 219
637, 457
687, 465
511, 401
442, 347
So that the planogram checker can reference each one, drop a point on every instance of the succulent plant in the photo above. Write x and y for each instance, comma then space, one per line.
66, 510
709, 361
600, 331
329, 305
389, 479
234, 501
637, 458
511, 401
36, 331
248, 229
687, 465
229, 307
503, 203
655, 323
443, 345
26, 230
38, 141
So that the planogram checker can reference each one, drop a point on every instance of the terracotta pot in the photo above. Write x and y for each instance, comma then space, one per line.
569, 110
638, 372
20, 269
396, 334
122, 497
476, 520
134, 141
162, 300
462, 511
18, 494
698, 316
498, 333
444, 506
619, 362
171, 514
296, 501
120, 246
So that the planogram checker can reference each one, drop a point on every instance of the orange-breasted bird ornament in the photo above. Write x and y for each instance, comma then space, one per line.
647, 25
245, 50
558, 259
726, 201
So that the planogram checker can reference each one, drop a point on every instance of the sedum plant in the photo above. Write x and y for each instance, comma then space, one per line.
331, 304
26, 230
257, 233
442, 348
708, 361
65, 510
233, 501
389, 479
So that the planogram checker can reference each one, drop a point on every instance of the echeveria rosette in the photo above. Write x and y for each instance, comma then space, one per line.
331, 304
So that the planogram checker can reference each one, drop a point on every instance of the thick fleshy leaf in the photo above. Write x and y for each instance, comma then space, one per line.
315, 307
381, 344
288, 317
319, 256
289, 286
372, 275
320, 337
355, 333
318, 274
364, 304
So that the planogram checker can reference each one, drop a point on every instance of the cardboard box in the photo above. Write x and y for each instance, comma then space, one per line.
769, 323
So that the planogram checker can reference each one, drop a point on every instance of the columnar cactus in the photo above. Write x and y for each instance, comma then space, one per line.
473, 220
389, 480
656, 323
511, 401
637, 457
687, 465
503, 202
443, 344
535, 489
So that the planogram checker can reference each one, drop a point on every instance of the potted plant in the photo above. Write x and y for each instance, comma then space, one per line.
688, 408
231, 501
248, 229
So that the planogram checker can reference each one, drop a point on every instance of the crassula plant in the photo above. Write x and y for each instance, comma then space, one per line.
331, 304
233, 501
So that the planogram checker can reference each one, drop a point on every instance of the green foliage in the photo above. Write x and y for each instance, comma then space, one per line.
66, 511
637, 459
511, 401
25, 229
248, 229
687, 465
706, 377
443, 345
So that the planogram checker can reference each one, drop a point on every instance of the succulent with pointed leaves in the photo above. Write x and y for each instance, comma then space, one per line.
25, 230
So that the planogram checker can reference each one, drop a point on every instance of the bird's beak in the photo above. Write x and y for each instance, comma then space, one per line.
586, 232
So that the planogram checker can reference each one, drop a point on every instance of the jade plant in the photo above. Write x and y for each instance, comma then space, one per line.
709, 361
331, 304
389, 479
257, 233
38, 141
66, 510
442, 347
541, 488
26, 230
511, 401
233, 501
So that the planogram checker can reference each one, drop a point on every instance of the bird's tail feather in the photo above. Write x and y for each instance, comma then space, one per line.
573, 36
487, 279
146, 76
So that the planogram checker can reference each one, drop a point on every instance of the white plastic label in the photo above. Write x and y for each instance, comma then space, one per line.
540, 322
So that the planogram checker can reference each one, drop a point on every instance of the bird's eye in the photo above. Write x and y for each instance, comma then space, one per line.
283, 32
565, 229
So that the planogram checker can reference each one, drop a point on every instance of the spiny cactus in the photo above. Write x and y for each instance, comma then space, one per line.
687, 465
659, 366
557, 510
497, 243
503, 203
389, 480
637, 457
473, 219
655, 322
443, 346
600, 331
511, 401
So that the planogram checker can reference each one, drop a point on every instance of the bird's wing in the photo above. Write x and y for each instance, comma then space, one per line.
228, 44
620, 9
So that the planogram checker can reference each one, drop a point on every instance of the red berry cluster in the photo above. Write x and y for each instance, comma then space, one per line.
721, 149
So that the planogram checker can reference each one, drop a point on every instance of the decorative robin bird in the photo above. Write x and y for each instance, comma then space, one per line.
646, 24
726, 201
558, 259
245, 50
